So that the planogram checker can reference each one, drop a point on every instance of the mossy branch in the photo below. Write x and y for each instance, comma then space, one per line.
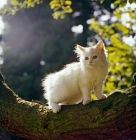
112, 118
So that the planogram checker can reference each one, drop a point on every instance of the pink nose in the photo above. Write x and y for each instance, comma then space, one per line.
90, 62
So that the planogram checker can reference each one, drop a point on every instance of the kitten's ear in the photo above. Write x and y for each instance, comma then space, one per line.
100, 47
79, 49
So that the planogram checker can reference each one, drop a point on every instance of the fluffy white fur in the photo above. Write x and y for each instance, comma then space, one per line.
74, 83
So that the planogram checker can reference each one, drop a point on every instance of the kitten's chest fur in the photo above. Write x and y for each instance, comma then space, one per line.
93, 77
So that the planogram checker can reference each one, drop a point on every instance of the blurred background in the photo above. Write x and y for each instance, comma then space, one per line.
35, 44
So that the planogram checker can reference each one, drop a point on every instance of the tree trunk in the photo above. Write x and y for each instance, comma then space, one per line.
108, 119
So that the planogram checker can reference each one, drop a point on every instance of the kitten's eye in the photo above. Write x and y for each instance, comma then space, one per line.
94, 57
86, 58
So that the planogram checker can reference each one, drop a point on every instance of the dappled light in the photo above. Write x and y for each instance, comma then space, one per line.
77, 29
42, 62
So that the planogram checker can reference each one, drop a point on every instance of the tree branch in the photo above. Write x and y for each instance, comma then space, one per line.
112, 118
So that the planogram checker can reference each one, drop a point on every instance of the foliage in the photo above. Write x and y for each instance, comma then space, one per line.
121, 55
120, 3
15, 5
60, 8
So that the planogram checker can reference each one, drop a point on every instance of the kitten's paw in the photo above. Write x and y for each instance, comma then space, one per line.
104, 96
55, 107
86, 101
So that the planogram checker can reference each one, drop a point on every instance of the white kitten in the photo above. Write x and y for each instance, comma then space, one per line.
75, 82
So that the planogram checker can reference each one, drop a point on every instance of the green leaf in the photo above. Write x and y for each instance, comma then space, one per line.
14, 2
68, 10
53, 2
62, 16
101, 1
68, 2
56, 15
117, 2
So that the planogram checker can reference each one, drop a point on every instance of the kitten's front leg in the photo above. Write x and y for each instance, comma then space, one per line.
98, 91
55, 107
86, 96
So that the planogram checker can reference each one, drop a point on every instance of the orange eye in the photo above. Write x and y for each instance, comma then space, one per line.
94, 57
86, 58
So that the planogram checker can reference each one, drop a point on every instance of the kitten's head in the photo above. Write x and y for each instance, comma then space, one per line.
92, 56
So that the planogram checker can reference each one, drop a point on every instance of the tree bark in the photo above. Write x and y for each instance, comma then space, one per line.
108, 119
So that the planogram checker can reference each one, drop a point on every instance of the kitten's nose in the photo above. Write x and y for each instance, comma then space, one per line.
91, 62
